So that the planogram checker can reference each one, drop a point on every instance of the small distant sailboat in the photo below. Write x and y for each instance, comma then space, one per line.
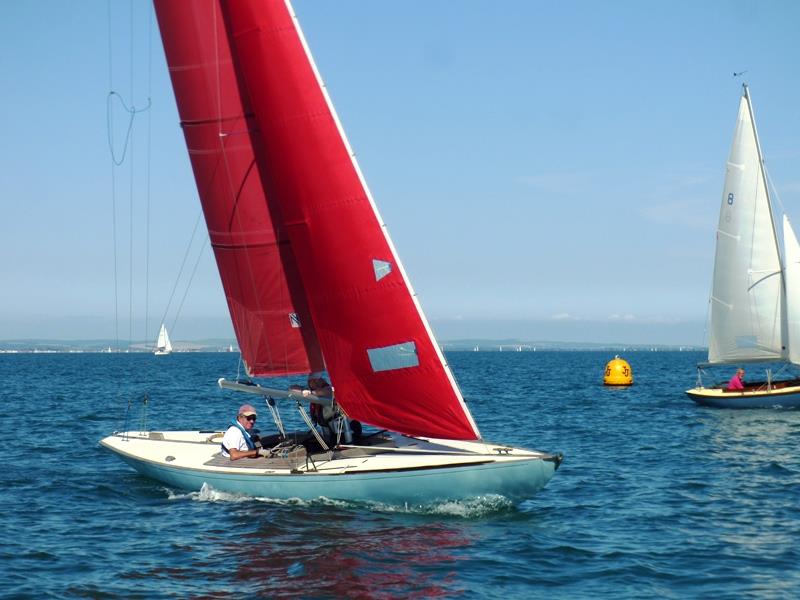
163, 345
755, 300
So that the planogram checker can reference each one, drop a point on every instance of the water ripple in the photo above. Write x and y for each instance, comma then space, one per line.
656, 497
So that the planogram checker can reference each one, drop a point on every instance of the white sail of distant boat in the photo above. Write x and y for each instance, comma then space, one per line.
163, 345
754, 305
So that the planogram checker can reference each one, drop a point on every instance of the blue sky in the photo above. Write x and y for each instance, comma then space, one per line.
546, 170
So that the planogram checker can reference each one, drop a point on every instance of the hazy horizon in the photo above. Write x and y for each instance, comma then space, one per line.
675, 333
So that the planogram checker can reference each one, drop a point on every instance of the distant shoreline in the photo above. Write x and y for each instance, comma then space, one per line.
226, 346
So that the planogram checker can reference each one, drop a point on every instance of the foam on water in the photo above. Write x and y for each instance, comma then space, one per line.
471, 508
468, 509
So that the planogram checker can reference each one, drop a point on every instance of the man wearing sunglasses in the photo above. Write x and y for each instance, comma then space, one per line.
239, 441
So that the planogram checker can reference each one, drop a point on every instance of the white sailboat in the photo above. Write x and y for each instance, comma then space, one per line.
755, 298
163, 345
313, 283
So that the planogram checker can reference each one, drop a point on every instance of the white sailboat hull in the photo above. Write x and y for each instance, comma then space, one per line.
403, 474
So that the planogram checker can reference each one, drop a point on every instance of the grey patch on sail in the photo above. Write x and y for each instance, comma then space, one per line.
746, 341
382, 268
294, 320
388, 358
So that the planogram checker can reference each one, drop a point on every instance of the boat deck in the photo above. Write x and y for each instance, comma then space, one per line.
758, 386
368, 445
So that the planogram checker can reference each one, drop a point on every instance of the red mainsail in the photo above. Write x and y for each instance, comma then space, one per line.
384, 364
265, 295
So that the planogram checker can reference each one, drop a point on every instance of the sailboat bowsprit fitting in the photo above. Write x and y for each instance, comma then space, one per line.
754, 312
313, 283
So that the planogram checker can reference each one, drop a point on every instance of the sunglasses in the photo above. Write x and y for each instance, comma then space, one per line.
251, 418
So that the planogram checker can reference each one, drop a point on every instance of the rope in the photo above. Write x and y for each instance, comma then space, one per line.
275, 415
311, 426
132, 112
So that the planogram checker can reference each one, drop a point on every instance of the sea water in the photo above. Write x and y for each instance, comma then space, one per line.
656, 497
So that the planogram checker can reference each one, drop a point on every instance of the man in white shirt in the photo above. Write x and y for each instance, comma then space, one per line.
237, 442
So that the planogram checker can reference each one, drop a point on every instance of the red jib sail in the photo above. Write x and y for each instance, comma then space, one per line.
264, 292
384, 364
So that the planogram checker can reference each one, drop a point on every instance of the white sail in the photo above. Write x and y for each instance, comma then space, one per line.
163, 345
791, 255
747, 320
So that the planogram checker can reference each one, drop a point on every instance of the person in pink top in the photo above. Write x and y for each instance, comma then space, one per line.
737, 381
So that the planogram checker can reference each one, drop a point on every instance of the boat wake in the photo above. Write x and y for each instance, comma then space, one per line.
472, 508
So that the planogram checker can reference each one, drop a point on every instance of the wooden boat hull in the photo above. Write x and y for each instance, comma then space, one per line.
781, 396
188, 460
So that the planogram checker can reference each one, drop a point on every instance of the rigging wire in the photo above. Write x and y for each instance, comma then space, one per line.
110, 130
189, 283
148, 156
119, 156
180, 270
771, 184
130, 192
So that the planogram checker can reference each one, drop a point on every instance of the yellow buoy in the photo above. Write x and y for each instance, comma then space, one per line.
618, 372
